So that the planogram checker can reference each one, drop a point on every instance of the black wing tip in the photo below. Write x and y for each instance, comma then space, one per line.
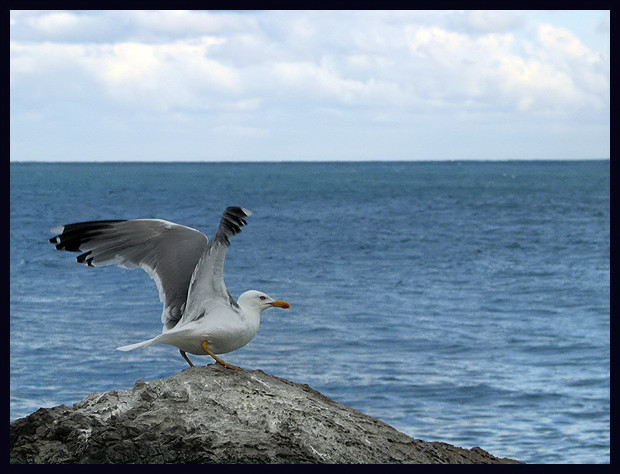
71, 236
231, 223
86, 225
85, 258
238, 211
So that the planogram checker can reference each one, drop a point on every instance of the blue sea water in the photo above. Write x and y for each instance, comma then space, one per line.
464, 302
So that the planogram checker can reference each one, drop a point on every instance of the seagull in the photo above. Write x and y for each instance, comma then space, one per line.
199, 316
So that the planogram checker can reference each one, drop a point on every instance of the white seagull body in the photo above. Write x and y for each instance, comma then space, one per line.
199, 316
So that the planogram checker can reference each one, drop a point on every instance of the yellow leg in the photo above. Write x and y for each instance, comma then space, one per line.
186, 358
226, 364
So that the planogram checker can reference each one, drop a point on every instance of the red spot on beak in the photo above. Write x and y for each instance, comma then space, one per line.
280, 304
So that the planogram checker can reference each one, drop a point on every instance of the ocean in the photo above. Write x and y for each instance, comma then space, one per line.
463, 302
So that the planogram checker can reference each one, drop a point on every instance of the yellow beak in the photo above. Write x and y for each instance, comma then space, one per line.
280, 304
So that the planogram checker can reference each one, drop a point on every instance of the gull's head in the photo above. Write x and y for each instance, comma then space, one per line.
259, 301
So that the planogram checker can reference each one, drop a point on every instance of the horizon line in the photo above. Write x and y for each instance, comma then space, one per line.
306, 161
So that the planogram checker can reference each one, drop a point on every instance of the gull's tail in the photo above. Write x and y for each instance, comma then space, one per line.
131, 347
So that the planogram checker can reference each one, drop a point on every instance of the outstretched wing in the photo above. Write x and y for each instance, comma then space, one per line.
207, 287
168, 252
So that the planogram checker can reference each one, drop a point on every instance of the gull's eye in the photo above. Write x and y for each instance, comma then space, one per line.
263, 297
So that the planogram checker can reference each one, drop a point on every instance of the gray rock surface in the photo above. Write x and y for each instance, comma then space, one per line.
216, 415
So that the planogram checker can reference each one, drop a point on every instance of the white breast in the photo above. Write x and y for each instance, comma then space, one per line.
224, 332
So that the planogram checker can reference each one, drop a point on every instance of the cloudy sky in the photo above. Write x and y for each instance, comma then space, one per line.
309, 85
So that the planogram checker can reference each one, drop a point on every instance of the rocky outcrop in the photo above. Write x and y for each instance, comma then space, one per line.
216, 415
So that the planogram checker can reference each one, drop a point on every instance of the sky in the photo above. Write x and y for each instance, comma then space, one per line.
193, 85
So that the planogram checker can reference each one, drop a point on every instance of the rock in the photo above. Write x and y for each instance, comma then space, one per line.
216, 415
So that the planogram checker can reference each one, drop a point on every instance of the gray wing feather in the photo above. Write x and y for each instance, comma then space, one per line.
207, 283
168, 252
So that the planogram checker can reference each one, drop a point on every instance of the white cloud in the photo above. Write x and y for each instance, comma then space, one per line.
392, 63
44, 25
490, 68
359, 66
160, 76
560, 40
189, 23
175, 73
324, 83
56, 23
